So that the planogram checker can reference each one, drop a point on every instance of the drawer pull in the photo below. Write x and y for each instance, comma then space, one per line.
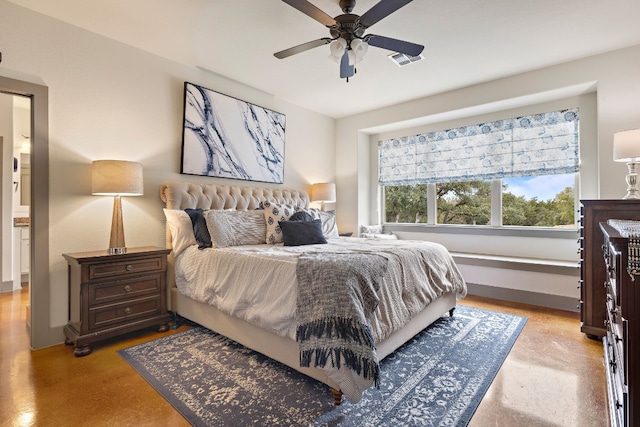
129, 267
127, 288
127, 310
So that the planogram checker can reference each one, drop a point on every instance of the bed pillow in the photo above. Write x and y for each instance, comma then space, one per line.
328, 218
273, 214
371, 229
298, 233
181, 229
301, 216
329, 225
199, 228
235, 228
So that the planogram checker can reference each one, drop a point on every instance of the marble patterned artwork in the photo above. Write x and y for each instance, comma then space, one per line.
228, 138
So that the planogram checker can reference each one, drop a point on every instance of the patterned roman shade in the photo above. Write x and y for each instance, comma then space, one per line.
540, 144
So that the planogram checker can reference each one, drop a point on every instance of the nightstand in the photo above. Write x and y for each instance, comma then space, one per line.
110, 295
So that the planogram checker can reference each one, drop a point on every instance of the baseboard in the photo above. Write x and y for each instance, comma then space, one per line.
6, 286
526, 297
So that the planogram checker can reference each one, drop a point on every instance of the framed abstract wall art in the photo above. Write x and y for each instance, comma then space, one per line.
225, 137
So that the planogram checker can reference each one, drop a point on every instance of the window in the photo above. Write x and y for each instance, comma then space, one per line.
404, 203
540, 201
467, 202
519, 172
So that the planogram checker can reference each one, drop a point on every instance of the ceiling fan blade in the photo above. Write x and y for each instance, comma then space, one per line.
395, 45
346, 70
381, 10
301, 48
308, 9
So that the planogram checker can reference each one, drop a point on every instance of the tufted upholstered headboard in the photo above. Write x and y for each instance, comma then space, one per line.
183, 195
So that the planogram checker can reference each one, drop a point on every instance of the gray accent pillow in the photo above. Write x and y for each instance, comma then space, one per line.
298, 233
301, 216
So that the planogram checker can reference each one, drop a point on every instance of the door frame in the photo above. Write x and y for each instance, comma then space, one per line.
42, 333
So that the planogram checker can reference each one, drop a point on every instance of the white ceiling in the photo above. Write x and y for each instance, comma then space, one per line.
466, 42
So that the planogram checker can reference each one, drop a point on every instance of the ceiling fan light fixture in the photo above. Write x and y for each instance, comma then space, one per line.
337, 47
358, 50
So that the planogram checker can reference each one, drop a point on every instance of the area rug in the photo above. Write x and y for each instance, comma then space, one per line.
437, 378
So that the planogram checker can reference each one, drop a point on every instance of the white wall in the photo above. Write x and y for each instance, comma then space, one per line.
111, 101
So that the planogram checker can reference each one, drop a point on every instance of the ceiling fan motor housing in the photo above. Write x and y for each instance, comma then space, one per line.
348, 27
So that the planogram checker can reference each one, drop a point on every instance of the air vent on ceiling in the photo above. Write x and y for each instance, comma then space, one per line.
400, 59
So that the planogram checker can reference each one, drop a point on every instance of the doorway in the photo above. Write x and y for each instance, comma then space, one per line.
42, 333
15, 127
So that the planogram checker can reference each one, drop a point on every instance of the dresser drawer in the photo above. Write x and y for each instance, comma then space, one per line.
128, 267
125, 289
618, 397
616, 339
613, 265
110, 315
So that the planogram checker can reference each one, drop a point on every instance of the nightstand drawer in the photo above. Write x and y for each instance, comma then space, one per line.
106, 316
103, 293
134, 266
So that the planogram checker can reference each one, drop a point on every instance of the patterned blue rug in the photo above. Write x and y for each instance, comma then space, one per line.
438, 378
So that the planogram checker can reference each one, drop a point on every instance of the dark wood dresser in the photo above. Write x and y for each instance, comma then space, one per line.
110, 295
593, 273
622, 339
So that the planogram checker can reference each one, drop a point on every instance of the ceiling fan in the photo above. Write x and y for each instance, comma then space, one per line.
348, 41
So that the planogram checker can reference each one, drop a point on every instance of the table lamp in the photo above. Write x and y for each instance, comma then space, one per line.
116, 178
626, 148
323, 192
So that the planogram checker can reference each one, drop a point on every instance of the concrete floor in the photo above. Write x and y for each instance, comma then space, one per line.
554, 376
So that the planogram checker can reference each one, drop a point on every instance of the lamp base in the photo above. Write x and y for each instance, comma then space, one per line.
116, 242
633, 192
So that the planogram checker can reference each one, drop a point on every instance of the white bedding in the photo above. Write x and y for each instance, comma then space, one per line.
258, 283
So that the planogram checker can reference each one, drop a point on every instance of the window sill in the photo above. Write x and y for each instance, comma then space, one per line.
485, 230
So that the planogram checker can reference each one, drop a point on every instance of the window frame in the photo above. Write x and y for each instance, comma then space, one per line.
496, 211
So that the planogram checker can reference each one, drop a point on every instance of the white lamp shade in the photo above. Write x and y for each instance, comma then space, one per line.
626, 146
337, 47
323, 192
116, 178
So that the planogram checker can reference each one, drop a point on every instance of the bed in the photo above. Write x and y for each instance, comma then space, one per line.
267, 333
